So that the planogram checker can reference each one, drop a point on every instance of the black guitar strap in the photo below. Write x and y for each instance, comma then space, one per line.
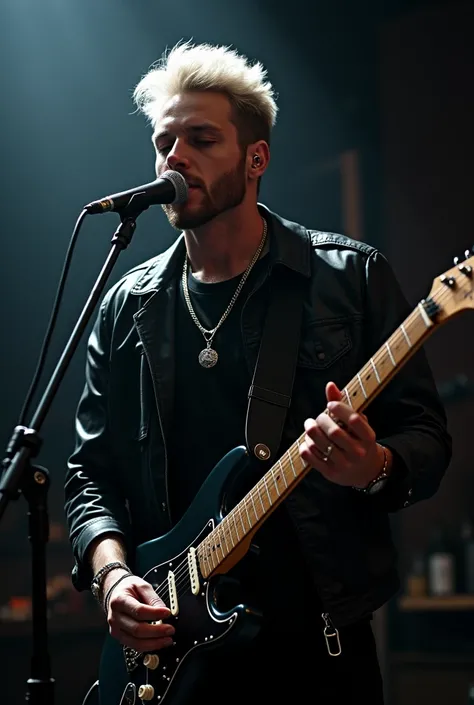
272, 384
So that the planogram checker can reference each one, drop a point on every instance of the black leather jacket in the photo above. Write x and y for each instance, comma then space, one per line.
117, 475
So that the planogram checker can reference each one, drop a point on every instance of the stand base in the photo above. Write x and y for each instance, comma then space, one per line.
40, 692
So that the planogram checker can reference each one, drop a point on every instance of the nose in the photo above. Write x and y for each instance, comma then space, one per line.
176, 157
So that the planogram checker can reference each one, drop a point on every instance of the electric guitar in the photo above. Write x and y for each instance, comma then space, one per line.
209, 540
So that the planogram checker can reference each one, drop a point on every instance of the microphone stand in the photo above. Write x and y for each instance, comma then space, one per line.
20, 476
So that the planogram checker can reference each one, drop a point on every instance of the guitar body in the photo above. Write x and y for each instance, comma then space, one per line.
200, 624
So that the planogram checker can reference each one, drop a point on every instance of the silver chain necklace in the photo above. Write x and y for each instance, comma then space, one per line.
208, 356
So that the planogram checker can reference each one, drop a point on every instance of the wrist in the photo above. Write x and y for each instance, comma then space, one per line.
111, 578
113, 583
102, 575
381, 475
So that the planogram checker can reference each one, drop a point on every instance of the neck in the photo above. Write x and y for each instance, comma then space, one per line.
223, 248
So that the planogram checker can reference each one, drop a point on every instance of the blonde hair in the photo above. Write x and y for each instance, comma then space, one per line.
204, 67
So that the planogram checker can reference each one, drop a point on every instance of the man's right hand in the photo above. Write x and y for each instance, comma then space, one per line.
133, 609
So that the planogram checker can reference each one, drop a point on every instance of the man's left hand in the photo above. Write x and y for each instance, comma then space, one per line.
341, 444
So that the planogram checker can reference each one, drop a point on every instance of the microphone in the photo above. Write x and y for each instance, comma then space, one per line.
170, 187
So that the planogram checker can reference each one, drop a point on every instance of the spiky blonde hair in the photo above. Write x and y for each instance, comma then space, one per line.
205, 67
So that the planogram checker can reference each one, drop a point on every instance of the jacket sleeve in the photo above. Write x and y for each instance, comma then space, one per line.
408, 415
94, 504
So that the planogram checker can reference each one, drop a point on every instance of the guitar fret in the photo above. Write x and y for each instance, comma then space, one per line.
212, 555
253, 505
242, 522
215, 535
248, 515
283, 473
231, 535
268, 494
275, 482
402, 327
291, 463
223, 542
261, 501
348, 397
390, 354
375, 370
235, 525
361, 386
223, 534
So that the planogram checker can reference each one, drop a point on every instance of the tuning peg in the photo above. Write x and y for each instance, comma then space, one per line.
448, 281
456, 261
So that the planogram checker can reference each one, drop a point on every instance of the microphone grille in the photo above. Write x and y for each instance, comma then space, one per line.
179, 183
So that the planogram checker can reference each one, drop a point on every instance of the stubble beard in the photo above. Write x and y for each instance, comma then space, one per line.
227, 192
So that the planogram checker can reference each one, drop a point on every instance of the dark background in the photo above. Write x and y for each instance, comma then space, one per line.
373, 138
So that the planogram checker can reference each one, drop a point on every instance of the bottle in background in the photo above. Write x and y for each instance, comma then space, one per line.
441, 565
416, 583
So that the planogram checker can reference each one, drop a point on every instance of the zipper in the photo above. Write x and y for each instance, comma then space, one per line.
168, 509
331, 636
143, 430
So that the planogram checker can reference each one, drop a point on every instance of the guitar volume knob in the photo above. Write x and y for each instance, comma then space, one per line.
146, 692
151, 661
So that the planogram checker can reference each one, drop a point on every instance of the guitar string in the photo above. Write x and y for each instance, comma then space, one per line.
247, 502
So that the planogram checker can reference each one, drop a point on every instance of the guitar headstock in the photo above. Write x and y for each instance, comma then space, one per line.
453, 290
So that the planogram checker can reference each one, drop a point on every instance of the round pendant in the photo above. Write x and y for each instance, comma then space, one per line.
208, 357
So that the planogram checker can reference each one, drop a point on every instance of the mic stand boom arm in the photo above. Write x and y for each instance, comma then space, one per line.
20, 476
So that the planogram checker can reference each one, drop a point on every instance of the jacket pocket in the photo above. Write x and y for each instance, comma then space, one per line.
324, 342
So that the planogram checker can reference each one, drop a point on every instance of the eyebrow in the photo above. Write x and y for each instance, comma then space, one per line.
193, 129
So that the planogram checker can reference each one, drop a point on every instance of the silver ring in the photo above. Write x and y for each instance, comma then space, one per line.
328, 452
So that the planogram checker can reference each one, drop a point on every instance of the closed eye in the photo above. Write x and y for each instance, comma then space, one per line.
163, 149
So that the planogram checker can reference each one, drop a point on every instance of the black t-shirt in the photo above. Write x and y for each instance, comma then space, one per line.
209, 412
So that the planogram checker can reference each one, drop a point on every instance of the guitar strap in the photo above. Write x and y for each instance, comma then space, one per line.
269, 395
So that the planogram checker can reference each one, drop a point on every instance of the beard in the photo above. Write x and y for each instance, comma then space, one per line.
227, 192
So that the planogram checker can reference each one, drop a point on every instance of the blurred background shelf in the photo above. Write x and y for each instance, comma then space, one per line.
448, 603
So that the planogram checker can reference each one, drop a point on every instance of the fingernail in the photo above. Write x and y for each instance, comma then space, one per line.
169, 630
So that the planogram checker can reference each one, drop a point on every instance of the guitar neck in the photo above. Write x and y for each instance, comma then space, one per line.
239, 525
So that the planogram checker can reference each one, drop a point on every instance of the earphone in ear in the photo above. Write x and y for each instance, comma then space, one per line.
256, 160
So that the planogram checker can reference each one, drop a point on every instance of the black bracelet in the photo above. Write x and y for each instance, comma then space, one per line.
109, 591
99, 577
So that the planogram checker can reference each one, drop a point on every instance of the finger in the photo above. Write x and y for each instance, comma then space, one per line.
332, 392
356, 424
328, 467
351, 447
125, 603
316, 440
146, 594
119, 622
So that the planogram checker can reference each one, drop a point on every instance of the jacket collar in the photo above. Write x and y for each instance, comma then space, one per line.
290, 245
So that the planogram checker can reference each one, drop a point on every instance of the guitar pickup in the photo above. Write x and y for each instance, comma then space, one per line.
173, 594
193, 571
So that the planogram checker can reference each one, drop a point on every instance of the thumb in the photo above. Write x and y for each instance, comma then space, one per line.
332, 392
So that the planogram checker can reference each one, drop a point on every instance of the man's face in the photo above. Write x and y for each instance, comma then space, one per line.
196, 137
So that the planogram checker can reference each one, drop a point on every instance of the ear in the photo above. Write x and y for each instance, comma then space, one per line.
258, 157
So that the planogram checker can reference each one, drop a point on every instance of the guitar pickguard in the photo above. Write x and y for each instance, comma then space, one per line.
195, 617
